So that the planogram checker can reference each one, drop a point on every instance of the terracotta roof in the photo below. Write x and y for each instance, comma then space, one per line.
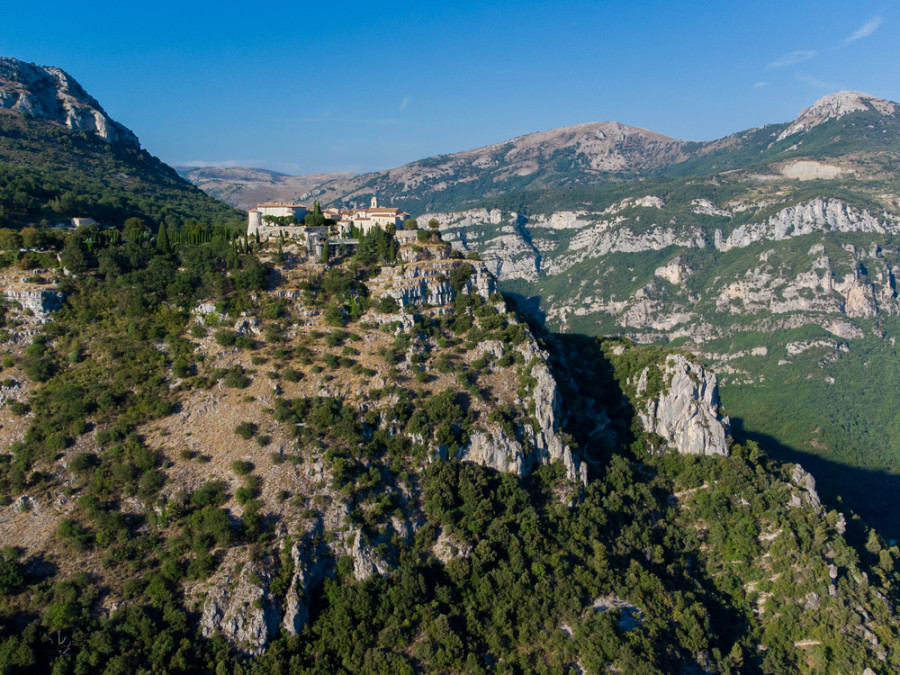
280, 204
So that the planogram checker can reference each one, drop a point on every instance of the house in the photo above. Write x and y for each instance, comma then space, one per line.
272, 220
374, 216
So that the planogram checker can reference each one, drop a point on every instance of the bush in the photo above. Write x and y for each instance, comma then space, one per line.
292, 375
82, 462
18, 408
236, 378
225, 338
387, 305
334, 316
245, 430
11, 574
241, 467
210, 494
70, 529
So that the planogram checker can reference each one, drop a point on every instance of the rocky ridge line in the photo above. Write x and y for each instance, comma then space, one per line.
49, 93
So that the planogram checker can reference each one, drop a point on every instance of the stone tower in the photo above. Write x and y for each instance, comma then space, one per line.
374, 203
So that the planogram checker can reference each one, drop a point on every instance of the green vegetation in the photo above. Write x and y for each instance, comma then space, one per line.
49, 174
661, 563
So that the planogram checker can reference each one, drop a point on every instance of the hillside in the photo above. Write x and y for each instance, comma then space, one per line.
61, 157
229, 456
244, 187
774, 259
579, 155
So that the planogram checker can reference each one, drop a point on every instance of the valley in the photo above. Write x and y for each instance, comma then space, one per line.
609, 402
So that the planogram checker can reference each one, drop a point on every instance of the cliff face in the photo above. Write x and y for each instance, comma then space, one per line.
687, 413
430, 282
53, 95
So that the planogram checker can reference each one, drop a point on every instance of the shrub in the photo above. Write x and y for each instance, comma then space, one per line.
245, 430
292, 375
225, 338
334, 316
241, 467
387, 305
210, 494
70, 529
236, 378
82, 462
18, 408
12, 575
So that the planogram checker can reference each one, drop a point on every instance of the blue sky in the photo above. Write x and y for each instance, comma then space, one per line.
304, 87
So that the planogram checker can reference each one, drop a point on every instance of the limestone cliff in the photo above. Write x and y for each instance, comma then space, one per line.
686, 413
51, 94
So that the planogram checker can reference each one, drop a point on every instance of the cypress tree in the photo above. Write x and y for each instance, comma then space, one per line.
162, 240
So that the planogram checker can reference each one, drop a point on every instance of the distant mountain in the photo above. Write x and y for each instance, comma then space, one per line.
61, 156
773, 253
578, 155
593, 154
245, 187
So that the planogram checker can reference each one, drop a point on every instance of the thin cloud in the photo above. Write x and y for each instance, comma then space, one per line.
793, 58
865, 30
404, 102
760, 85
816, 82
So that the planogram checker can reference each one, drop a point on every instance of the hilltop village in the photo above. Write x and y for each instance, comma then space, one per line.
339, 228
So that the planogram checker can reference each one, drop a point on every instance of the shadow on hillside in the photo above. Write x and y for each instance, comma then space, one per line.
527, 308
870, 494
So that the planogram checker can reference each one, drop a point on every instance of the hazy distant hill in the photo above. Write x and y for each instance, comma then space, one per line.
62, 156
245, 187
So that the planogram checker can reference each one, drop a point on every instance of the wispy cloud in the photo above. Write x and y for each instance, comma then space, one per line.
404, 102
816, 82
793, 58
865, 30
760, 85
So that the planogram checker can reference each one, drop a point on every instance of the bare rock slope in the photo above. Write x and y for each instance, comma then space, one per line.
51, 94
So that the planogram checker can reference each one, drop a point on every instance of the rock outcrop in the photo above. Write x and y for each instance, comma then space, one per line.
239, 606
686, 414
805, 481
430, 282
40, 301
52, 94
541, 439
833, 106
309, 571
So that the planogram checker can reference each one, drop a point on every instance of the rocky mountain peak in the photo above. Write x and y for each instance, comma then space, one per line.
49, 93
834, 106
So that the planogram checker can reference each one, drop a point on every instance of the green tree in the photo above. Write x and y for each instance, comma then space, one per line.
162, 241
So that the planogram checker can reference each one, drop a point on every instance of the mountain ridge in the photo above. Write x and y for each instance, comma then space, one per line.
51, 94
591, 153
